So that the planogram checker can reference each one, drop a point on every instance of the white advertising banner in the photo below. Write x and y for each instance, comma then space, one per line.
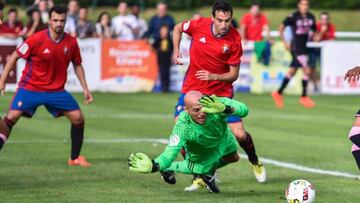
337, 58
91, 54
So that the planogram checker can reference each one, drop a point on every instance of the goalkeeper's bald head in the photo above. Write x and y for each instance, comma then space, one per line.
192, 98
193, 108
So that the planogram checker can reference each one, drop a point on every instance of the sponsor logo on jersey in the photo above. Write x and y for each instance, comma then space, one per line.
46, 51
174, 140
203, 40
24, 48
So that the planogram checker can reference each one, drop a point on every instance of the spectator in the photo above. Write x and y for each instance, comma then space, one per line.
103, 25
12, 28
123, 25
85, 28
35, 24
160, 19
164, 47
73, 10
72, 17
51, 4
44, 10
325, 30
142, 27
253, 24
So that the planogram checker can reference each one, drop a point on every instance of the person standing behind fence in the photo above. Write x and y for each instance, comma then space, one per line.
158, 20
123, 25
72, 17
103, 26
164, 49
253, 24
84, 27
142, 26
12, 28
325, 30
35, 24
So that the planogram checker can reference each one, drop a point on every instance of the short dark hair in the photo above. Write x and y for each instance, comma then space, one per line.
299, 1
221, 6
58, 10
2, 5
11, 10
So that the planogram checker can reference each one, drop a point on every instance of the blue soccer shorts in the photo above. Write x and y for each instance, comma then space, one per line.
180, 107
55, 102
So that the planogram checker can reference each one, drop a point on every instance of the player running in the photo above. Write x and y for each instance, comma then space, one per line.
353, 76
303, 26
48, 54
202, 130
214, 65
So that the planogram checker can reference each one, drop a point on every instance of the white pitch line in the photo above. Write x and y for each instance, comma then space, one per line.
165, 141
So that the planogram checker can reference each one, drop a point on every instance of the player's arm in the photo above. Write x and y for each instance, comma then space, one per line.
282, 37
10, 65
141, 163
230, 76
226, 106
80, 74
177, 32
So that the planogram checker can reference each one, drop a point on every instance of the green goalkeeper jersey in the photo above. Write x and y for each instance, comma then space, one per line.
200, 141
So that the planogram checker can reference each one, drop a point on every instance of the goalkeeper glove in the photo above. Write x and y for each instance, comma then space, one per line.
141, 163
212, 104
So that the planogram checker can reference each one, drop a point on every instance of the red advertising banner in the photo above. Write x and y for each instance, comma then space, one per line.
129, 64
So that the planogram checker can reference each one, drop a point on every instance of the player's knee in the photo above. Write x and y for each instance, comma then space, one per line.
77, 118
240, 134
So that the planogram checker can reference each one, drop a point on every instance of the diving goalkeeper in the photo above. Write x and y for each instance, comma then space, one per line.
202, 130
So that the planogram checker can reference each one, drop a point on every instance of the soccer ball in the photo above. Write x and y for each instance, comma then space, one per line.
300, 191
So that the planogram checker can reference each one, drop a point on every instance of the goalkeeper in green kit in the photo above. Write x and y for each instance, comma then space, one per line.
202, 130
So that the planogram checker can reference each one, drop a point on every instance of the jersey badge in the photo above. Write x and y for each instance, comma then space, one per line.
65, 50
174, 140
225, 48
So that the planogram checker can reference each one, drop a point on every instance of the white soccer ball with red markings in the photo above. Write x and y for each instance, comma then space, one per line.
300, 191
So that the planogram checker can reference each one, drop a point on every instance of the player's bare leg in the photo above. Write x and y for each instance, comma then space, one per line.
354, 136
76, 119
277, 95
305, 100
7, 123
246, 143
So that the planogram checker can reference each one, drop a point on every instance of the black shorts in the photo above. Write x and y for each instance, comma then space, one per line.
299, 60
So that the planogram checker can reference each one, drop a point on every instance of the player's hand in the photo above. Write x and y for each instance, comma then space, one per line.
353, 75
211, 104
178, 58
88, 97
140, 163
205, 75
2, 87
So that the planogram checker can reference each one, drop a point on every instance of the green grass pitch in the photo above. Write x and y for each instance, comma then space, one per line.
33, 164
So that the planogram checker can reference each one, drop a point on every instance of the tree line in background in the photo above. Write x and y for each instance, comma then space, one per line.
188, 4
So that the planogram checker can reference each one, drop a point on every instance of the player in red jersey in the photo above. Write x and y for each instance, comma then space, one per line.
48, 54
214, 65
4, 131
353, 76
